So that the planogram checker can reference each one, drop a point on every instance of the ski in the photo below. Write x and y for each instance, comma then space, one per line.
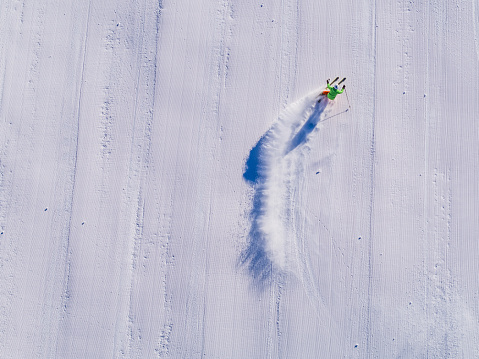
340, 82
336, 79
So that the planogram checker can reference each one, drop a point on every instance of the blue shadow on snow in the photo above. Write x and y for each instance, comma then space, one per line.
307, 128
255, 256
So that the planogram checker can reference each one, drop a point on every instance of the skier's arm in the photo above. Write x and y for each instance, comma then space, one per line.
342, 90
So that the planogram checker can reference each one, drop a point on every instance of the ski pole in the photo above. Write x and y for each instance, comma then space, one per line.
347, 97
339, 113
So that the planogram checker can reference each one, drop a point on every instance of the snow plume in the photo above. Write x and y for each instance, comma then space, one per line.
271, 168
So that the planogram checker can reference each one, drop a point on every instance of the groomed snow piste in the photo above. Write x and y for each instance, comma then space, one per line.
171, 188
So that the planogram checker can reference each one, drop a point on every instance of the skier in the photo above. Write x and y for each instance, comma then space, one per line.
333, 91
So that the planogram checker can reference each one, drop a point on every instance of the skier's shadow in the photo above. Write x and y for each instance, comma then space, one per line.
308, 127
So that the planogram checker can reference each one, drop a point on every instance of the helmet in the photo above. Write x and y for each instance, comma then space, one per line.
336, 87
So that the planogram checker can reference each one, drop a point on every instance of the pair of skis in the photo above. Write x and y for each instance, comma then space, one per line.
336, 79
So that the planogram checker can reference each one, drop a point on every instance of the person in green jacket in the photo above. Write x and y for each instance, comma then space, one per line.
334, 90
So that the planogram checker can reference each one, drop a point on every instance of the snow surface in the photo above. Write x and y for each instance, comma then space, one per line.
170, 188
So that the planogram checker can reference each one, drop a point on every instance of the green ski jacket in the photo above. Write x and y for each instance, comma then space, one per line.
333, 92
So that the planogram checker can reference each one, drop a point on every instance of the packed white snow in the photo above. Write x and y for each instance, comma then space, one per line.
170, 188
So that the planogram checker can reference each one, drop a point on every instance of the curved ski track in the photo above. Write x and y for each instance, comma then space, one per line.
275, 168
